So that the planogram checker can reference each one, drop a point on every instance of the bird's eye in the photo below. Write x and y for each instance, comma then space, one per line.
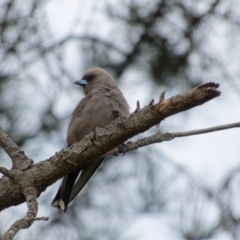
91, 77
88, 77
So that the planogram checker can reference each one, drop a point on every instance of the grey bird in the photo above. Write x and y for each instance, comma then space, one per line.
103, 102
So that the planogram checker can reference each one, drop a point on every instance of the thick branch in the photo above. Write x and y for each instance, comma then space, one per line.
43, 174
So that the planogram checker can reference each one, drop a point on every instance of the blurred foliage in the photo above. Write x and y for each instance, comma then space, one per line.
174, 42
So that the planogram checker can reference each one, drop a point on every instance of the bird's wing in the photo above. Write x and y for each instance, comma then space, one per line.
85, 175
95, 110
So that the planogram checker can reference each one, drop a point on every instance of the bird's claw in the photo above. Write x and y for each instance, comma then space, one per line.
122, 148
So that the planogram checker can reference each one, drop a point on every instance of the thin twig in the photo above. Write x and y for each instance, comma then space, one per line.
161, 137
162, 95
206, 130
138, 106
151, 103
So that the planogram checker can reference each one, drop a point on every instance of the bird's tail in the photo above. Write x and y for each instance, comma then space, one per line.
68, 190
61, 199
84, 177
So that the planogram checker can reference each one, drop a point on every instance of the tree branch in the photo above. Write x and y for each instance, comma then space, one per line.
18, 157
162, 137
205, 130
187, 100
30, 194
6, 172
98, 143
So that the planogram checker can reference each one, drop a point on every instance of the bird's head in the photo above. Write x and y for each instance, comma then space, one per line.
95, 78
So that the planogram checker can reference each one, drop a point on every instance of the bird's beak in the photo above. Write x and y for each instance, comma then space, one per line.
81, 82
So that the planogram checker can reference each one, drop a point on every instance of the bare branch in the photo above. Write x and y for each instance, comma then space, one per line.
6, 172
30, 194
19, 159
43, 174
187, 100
206, 130
162, 137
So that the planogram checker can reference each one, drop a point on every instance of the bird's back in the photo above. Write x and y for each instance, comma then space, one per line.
98, 109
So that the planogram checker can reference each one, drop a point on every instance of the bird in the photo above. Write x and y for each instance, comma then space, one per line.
103, 102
